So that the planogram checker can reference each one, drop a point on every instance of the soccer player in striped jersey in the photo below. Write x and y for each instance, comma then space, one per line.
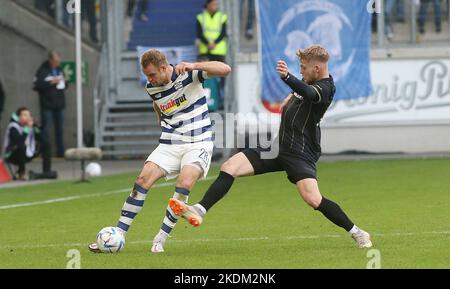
186, 145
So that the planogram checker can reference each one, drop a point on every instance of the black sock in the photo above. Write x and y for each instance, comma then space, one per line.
217, 190
335, 214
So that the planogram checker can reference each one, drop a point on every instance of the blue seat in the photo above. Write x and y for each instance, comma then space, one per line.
171, 23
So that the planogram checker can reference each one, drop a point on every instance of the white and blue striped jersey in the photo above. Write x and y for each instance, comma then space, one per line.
184, 109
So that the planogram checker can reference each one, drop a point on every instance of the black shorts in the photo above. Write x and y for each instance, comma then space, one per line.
296, 167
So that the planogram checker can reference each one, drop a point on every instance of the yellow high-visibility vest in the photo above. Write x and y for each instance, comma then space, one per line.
212, 27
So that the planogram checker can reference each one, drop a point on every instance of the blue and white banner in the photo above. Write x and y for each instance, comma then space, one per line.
341, 26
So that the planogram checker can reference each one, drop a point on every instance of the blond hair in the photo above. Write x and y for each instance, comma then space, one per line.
315, 53
155, 57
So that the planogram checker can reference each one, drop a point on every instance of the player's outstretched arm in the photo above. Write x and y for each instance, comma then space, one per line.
297, 85
301, 87
213, 68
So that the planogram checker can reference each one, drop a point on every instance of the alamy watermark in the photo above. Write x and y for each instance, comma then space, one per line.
230, 130
73, 7
247, 130
375, 259
74, 256
374, 6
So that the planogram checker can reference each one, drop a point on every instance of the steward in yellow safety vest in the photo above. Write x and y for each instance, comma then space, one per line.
212, 32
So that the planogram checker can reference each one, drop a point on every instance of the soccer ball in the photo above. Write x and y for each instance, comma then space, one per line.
110, 240
94, 170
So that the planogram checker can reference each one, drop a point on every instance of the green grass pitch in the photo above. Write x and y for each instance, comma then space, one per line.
261, 223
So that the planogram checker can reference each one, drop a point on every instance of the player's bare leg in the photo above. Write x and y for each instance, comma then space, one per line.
188, 177
309, 191
134, 203
237, 166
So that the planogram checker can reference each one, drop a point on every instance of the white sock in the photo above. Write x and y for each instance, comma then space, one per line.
161, 236
181, 197
200, 209
354, 230
170, 220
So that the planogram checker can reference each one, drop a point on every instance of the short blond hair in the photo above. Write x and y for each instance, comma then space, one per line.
315, 53
155, 57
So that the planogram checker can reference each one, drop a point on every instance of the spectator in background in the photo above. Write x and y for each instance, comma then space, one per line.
89, 10
400, 11
46, 6
68, 19
423, 14
212, 32
20, 141
2, 99
212, 37
249, 33
388, 13
50, 83
142, 9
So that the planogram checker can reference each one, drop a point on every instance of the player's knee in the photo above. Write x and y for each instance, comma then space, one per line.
229, 168
312, 199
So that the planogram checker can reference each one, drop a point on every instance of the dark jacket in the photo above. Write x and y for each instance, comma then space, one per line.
20, 137
50, 97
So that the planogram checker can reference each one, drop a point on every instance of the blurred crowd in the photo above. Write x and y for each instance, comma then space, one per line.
89, 14
395, 11
90, 11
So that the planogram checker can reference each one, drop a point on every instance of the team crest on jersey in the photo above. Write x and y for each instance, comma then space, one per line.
173, 104
178, 85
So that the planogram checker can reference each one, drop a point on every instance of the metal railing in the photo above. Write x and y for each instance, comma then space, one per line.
410, 22
100, 94
403, 15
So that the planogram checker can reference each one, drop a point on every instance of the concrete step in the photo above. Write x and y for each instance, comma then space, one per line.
144, 115
143, 124
130, 105
141, 107
129, 143
131, 90
131, 134
129, 66
126, 153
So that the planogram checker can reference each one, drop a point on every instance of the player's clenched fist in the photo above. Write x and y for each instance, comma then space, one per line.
282, 68
184, 67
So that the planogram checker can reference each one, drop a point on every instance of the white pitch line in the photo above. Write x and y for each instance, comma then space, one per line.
227, 240
59, 200
40, 203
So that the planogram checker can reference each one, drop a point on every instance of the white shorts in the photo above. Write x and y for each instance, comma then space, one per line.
172, 158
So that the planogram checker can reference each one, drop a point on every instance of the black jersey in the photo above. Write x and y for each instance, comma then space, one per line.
300, 121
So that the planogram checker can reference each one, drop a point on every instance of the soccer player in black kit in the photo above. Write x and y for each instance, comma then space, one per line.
299, 146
